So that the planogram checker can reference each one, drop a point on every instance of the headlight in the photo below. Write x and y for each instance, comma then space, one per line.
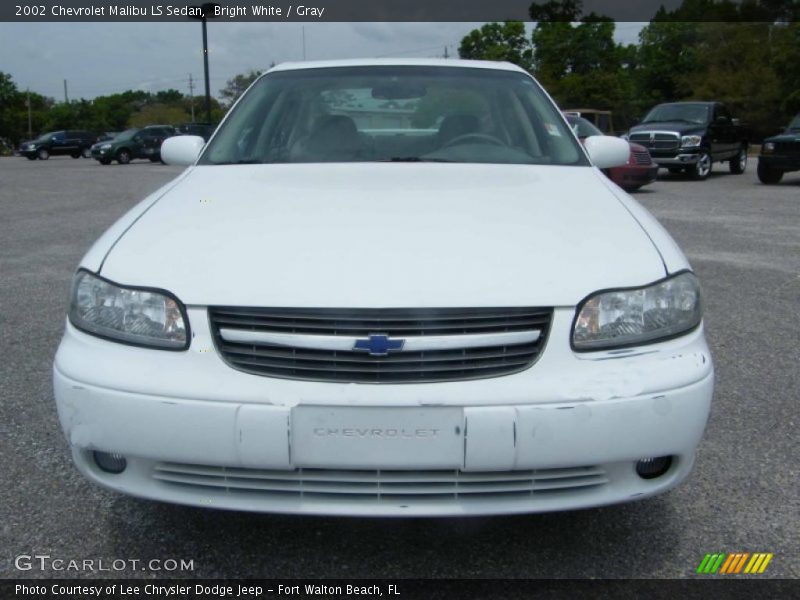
768, 148
105, 146
631, 317
690, 141
138, 316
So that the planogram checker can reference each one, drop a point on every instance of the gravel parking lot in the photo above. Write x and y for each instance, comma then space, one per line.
743, 239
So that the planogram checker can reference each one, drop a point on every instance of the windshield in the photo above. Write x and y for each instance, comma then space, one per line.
691, 113
795, 124
582, 127
45, 137
126, 135
395, 113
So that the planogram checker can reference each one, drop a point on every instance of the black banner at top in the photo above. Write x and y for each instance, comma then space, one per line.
395, 10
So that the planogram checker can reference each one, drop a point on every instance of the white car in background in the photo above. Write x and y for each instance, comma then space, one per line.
387, 287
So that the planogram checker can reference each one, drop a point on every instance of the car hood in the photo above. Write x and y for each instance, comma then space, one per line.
678, 126
793, 136
386, 235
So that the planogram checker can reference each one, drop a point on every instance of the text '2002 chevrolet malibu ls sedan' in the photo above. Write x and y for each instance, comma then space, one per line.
387, 288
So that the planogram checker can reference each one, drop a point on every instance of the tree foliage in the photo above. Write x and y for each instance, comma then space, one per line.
236, 86
498, 41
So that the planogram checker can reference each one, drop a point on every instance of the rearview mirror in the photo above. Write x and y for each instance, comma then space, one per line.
182, 150
606, 151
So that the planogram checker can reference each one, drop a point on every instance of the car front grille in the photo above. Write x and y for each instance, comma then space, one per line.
394, 485
787, 148
641, 158
660, 142
489, 353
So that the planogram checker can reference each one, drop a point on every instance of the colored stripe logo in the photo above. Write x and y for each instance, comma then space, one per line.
735, 563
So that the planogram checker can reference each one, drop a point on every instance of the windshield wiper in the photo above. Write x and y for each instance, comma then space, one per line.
241, 161
413, 159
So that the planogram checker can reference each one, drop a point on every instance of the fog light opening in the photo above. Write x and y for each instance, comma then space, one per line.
109, 462
650, 468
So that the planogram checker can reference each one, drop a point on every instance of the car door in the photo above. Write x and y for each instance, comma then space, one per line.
722, 130
58, 143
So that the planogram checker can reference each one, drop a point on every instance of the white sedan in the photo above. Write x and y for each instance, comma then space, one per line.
387, 287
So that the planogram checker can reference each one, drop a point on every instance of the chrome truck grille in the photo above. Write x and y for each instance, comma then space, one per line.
393, 345
657, 141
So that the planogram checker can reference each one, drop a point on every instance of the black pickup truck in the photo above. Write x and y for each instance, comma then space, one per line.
691, 137
780, 153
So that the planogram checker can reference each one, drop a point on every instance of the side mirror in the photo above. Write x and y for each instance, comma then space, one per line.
606, 151
182, 150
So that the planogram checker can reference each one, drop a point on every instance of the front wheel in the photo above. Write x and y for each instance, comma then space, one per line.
768, 175
43, 154
123, 157
702, 168
739, 162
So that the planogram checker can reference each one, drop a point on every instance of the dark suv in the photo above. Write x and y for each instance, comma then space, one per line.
691, 136
134, 143
780, 153
53, 143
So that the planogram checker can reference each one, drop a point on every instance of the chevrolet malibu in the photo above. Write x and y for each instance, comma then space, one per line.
388, 287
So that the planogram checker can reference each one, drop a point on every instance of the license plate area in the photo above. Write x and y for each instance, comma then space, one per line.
377, 437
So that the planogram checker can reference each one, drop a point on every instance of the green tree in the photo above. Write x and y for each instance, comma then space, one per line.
498, 41
158, 114
236, 86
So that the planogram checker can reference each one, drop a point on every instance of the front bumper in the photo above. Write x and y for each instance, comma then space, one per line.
633, 175
682, 159
780, 162
564, 434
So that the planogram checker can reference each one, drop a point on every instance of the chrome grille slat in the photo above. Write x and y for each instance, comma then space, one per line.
380, 484
296, 360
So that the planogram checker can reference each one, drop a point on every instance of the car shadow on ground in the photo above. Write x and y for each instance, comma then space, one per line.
624, 540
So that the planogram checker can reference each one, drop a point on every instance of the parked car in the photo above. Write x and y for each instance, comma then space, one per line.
780, 154
640, 170
691, 137
75, 143
324, 315
204, 130
602, 119
134, 143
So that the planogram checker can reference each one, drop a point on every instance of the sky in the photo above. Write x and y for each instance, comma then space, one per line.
104, 58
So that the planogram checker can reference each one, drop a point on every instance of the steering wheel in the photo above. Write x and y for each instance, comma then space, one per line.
466, 138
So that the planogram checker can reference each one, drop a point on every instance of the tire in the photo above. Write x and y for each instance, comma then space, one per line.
124, 156
738, 163
675, 170
42, 154
768, 175
75, 155
702, 168
86, 153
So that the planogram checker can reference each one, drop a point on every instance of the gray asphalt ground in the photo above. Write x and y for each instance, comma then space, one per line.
743, 239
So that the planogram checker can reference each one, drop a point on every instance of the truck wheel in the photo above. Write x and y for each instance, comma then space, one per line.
123, 157
768, 175
42, 154
702, 168
739, 162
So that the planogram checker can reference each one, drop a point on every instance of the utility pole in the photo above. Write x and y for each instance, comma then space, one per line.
191, 95
445, 53
28, 102
66, 97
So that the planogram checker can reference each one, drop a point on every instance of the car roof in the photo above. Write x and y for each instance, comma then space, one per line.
392, 62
